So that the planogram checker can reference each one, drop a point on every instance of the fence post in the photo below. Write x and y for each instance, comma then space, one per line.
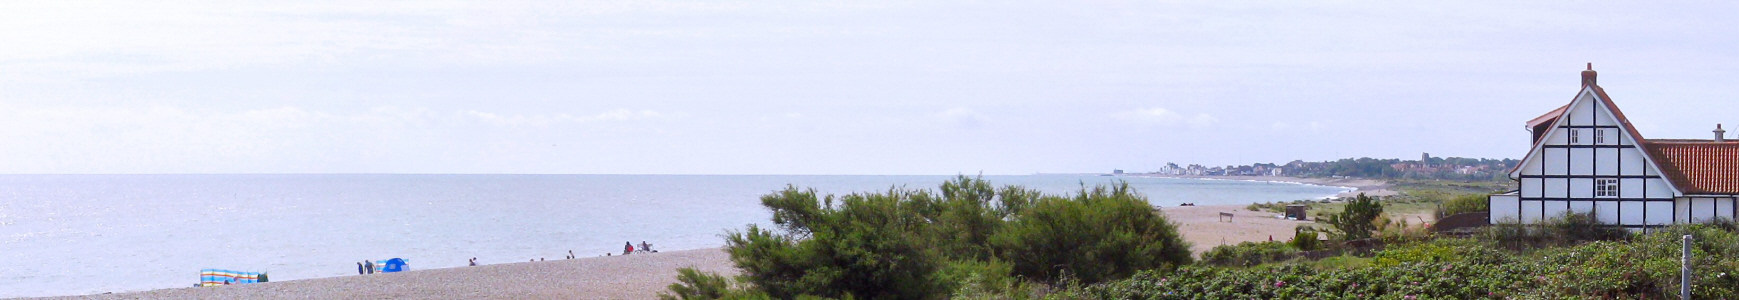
1685, 270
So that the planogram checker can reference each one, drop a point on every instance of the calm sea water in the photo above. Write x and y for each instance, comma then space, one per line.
83, 234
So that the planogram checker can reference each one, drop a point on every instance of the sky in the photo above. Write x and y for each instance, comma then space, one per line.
827, 87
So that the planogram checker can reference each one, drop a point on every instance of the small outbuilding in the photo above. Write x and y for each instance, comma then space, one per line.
1296, 212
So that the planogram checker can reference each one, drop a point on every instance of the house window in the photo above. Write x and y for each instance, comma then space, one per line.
1573, 133
1599, 136
1606, 187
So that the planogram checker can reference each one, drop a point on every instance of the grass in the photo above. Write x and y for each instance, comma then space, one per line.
1337, 262
1418, 197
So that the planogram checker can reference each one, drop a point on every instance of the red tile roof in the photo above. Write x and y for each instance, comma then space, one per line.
1698, 166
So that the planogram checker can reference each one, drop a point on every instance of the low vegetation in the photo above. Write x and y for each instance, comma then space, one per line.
1644, 266
971, 241
966, 238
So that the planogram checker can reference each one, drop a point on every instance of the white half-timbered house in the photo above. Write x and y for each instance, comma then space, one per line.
1587, 158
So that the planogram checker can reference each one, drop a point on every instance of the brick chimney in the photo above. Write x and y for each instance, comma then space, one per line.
1588, 76
1720, 135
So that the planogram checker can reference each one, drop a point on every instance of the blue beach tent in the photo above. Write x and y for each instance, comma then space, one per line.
394, 265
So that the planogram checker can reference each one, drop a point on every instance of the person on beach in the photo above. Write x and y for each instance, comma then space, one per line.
473, 261
370, 265
359, 268
645, 247
627, 248
571, 254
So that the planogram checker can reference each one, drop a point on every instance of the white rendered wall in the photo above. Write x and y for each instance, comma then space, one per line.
1504, 208
1606, 212
1659, 212
1632, 213
1531, 211
1724, 208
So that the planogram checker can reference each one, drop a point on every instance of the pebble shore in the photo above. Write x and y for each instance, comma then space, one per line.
637, 276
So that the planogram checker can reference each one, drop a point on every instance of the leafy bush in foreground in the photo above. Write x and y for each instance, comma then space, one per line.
692, 284
1100, 234
1642, 267
1465, 204
1356, 220
970, 237
1567, 229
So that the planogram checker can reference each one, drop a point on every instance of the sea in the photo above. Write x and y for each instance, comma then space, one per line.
88, 234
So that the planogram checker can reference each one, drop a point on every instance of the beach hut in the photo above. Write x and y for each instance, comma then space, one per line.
1296, 212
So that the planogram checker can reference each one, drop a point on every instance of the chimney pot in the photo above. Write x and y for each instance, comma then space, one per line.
1588, 76
1720, 135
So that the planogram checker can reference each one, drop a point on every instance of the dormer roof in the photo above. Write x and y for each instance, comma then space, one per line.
1548, 117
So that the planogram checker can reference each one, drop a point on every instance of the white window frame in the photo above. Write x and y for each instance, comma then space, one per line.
1573, 135
1606, 187
1599, 136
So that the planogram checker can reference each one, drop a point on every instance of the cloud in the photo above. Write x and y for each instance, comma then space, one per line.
80, 139
1164, 117
963, 117
549, 119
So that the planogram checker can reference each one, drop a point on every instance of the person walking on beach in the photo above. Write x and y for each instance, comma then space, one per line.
370, 265
627, 248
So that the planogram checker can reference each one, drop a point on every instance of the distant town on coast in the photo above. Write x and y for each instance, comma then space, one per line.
1426, 167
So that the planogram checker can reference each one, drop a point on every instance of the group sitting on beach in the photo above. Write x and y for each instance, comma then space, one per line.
628, 248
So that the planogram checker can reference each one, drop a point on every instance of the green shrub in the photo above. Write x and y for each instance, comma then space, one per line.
1356, 220
1249, 254
1564, 230
695, 285
987, 280
1643, 267
1465, 204
967, 239
865, 246
1305, 238
1100, 234
1445, 250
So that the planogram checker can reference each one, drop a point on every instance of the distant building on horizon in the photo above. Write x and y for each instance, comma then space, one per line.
1587, 158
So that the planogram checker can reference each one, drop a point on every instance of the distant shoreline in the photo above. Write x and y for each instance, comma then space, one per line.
1369, 187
